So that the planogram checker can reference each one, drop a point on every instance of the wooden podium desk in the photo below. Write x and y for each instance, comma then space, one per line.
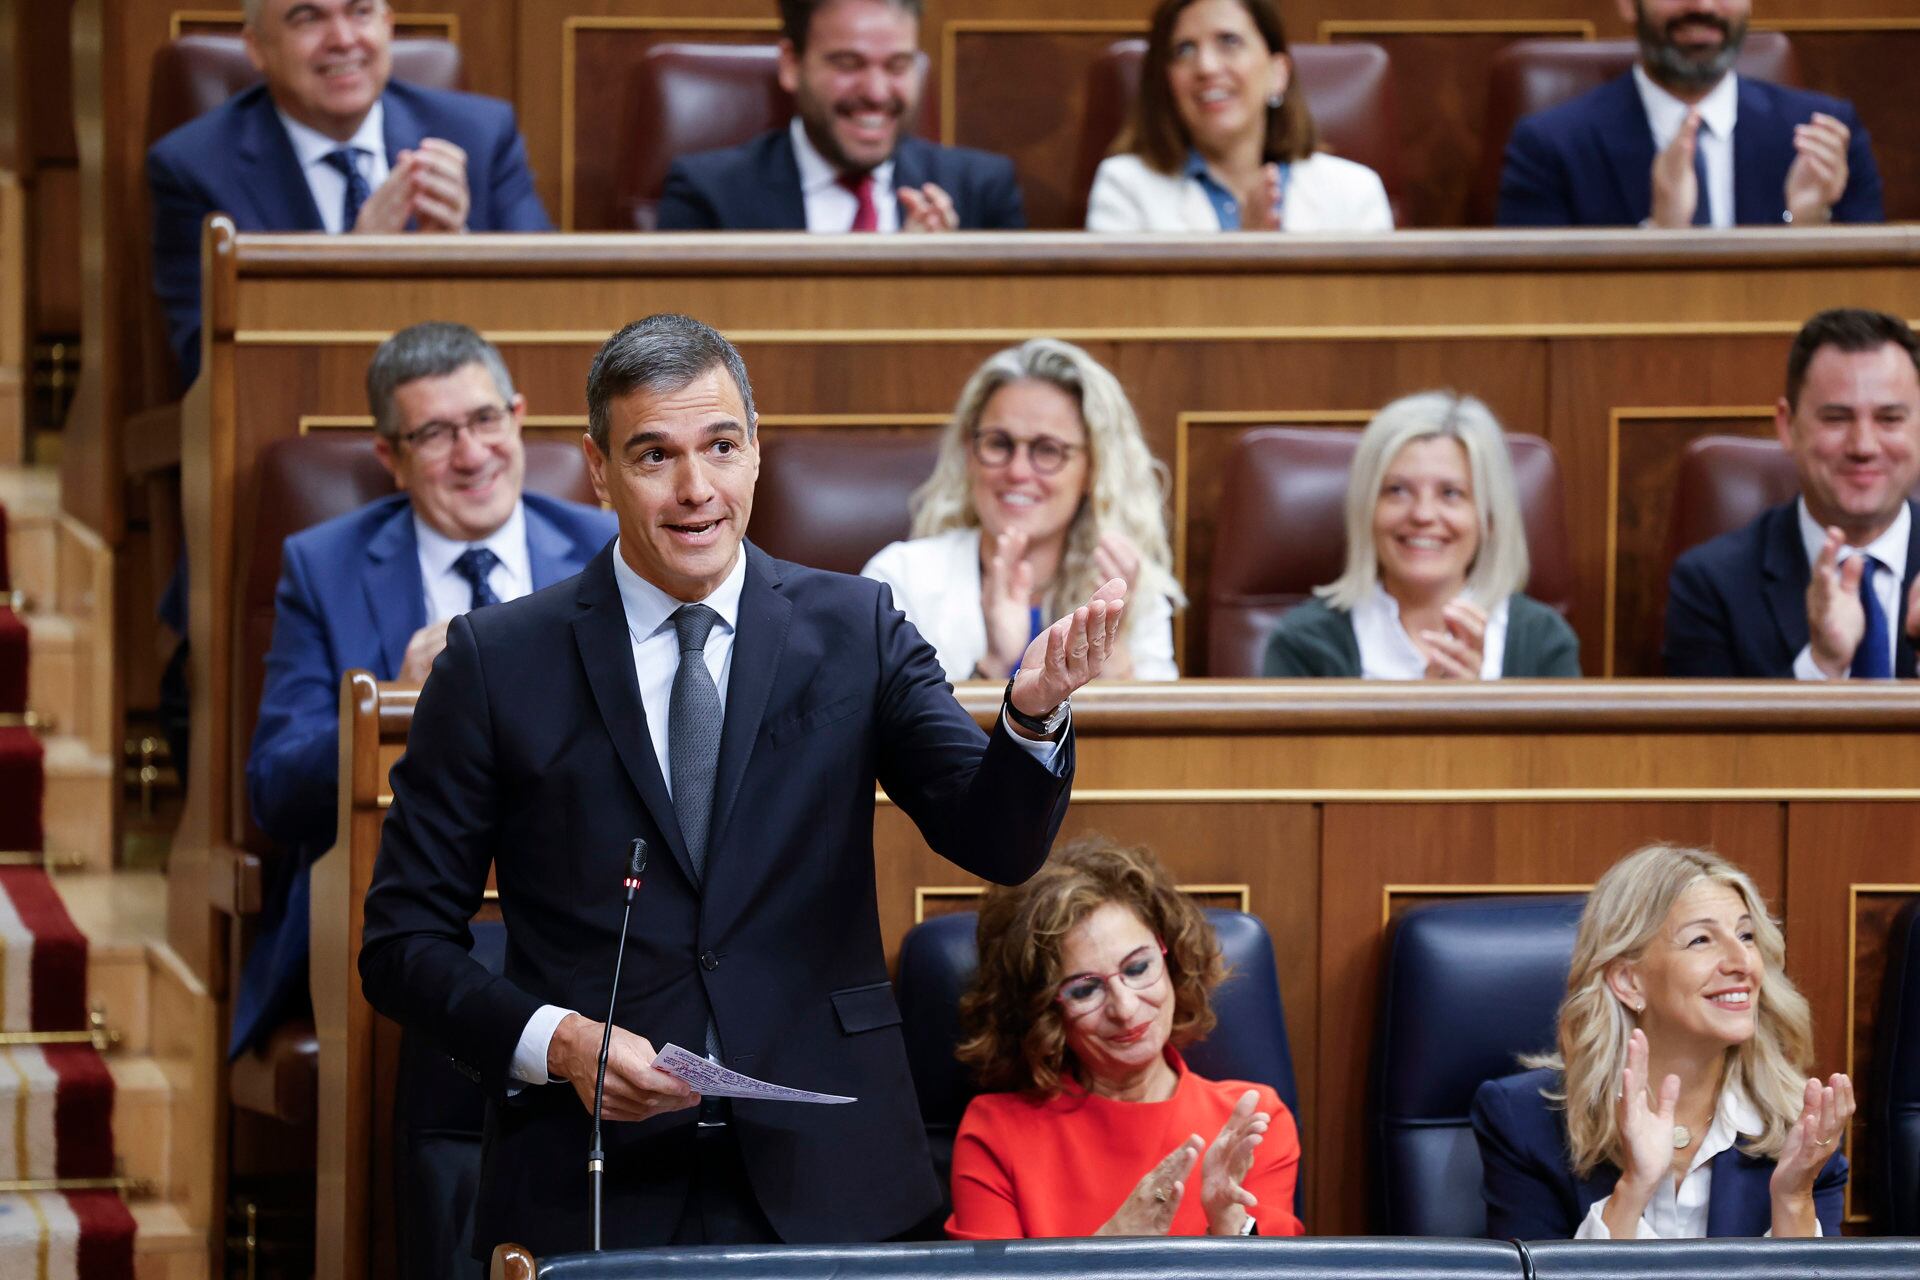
1325, 808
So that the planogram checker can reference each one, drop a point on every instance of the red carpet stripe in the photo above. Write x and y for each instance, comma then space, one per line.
20, 789
13, 662
82, 1112
59, 950
106, 1235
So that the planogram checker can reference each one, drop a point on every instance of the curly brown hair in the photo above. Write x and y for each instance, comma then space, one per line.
1014, 1035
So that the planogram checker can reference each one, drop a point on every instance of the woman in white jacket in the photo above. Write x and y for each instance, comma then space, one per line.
1043, 490
1217, 143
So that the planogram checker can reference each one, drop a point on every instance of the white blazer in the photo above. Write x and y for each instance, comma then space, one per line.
936, 583
1324, 193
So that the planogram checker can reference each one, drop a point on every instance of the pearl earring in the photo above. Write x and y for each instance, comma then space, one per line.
1274, 100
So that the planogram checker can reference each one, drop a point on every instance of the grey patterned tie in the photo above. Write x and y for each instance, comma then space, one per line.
693, 750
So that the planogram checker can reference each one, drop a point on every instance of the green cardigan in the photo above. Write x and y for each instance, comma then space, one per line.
1315, 640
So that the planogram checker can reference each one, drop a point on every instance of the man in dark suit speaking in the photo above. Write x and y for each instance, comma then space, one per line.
846, 162
734, 711
1822, 587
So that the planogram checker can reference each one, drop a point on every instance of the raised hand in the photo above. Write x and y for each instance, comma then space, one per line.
634, 1090
927, 208
1457, 652
1676, 187
422, 648
440, 194
1260, 204
1835, 619
1818, 176
1824, 1112
1070, 652
1006, 601
1224, 1167
1646, 1140
1149, 1208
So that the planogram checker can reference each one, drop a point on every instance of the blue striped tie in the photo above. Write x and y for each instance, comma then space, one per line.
347, 161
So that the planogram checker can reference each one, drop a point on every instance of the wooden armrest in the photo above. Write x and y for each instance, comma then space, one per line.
150, 441
511, 1262
233, 881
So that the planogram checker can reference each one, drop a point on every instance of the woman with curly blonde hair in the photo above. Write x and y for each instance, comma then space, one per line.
1678, 1103
1092, 975
1043, 491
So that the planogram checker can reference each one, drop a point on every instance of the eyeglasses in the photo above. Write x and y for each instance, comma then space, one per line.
489, 424
1084, 993
1045, 454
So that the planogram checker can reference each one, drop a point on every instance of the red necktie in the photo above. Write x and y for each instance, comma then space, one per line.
865, 216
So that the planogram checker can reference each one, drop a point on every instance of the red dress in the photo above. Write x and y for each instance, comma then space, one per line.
1027, 1166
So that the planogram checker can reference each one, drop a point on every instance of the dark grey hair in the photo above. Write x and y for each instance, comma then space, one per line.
250, 11
431, 350
659, 354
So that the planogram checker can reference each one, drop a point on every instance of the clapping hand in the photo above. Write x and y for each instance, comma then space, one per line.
1818, 176
1070, 652
1646, 1140
427, 183
1457, 652
1676, 186
1224, 1168
1836, 621
1149, 1208
1006, 601
1824, 1113
1260, 206
1115, 556
927, 208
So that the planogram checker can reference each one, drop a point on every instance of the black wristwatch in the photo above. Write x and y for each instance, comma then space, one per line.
1040, 726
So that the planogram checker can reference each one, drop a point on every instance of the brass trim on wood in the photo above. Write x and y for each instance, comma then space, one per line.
26, 720
1387, 892
951, 32
1840, 26
311, 422
46, 860
1330, 28
1473, 795
137, 1188
568, 87
177, 21
925, 893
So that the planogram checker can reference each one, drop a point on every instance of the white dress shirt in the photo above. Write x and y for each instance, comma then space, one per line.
328, 184
1890, 549
1324, 193
448, 593
1387, 652
1680, 1212
1718, 111
656, 659
830, 206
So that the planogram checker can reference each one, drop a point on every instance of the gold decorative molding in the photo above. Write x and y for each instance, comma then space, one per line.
569, 32
1474, 795
1617, 418
311, 422
180, 19
925, 893
1331, 29
1838, 26
951, 32
1855, 892
1389, 891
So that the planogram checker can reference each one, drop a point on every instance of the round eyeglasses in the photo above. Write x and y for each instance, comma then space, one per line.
1084, 993
1045, 454
433, 441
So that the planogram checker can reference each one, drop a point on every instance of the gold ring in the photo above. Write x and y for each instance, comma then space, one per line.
1823, 1142
1162, 1194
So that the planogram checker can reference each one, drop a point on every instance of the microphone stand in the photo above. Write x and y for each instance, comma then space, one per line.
596, 1158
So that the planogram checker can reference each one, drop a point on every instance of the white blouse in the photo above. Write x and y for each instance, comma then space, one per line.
1387, 652
1324, 193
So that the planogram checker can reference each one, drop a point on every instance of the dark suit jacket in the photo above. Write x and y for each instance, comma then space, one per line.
238, 160
1315, 640
1737, 604
756, 186
1532, 1194
1589, 162
529, 753
350, 596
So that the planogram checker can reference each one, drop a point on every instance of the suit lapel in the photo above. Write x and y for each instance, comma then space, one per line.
600, 630
400, 130
1626, 138
551, 554
759, 640
395, 594
1904, 665
909, 170
1738, 1203
273, 171
1785, 573
786, 207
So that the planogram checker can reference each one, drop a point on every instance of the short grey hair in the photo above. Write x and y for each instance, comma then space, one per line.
662, 353
430, 350
1500, 567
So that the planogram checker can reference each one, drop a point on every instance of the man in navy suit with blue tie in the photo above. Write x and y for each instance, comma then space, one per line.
1822, 587
329, 143
376, 589
1681, 140
846, 162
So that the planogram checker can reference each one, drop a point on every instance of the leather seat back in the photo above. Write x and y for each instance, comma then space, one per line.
1532, 75
1349, 88
830, 500
1469, 986
1281, 532
937, 963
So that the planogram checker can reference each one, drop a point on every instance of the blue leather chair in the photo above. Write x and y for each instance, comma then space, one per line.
937, 961
1851, 1258
438, 1114
1896, 1074
1469, 986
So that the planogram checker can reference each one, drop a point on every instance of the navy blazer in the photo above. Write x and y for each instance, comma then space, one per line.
529, 753
238, 160
1532, 1194
1589, 162
756, 186
350, 595
1737, 604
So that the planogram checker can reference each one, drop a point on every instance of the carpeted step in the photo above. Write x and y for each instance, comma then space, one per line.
22, 783
73, 1235
13, 662
43, 957
58, 1099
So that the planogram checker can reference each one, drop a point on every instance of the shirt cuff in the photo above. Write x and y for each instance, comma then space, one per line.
1805, 668
1594, 1225
1047, 752
530, 1055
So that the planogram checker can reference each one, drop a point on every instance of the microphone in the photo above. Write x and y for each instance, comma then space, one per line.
596, 1158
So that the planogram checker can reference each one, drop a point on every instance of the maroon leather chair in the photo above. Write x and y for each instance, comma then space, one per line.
1532, 75
1282, 532
830, 501
195, 74
1349, 89
700, 97
1725, 482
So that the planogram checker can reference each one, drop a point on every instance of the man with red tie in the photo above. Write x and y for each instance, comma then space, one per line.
846, 162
